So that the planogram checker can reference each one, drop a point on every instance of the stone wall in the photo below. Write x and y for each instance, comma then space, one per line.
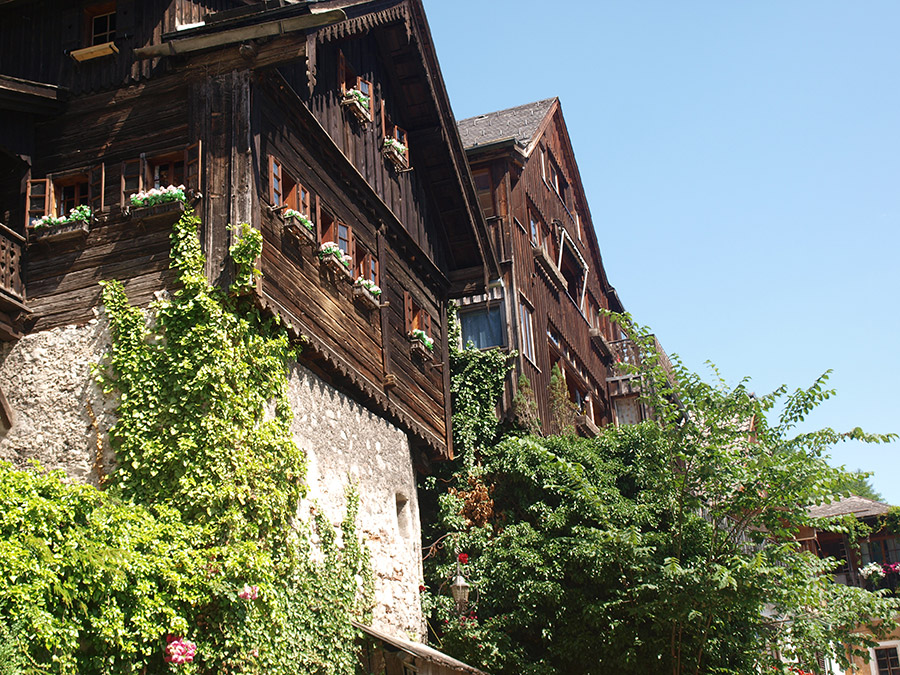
61, 416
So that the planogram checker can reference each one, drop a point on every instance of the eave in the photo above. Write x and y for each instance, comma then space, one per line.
28, 96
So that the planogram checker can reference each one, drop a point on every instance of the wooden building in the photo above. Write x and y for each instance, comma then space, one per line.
335, 111
547, 302
880, 549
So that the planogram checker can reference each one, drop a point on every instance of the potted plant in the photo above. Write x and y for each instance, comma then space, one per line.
420, 343
367, 292
298, 225
157, 202
396, 152
51, 228
359, 104
334, 259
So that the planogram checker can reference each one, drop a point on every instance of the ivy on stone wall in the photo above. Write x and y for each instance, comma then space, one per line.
193, 560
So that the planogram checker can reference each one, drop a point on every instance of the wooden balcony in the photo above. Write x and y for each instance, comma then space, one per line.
601, 343
12, 285
627, 353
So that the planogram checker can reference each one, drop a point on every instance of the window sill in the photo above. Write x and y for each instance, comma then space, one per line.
94, 51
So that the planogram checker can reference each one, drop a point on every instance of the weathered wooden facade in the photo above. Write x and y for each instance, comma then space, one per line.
547, 304
314, 122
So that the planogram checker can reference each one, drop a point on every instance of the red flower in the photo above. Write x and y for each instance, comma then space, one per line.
463, 558
421, 588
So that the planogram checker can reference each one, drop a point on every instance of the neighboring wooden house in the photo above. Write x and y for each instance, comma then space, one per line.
880, 549
314, 123
547, 302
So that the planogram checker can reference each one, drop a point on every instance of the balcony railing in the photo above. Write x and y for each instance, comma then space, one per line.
627, 352
12, 285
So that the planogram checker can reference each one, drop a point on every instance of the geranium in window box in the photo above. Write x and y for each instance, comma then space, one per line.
395, 151
367, 292
157, 202
299, 226
334, 259
51, 228
420, 343
359, 104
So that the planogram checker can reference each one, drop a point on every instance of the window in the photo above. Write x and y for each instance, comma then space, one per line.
416, 317
887, 660
628, 411
483, 327
286, 192
101, 24
881, 551
351, 81
367, 265
178, 167
484, 188
535, 227
396, 141
574, 270
338, 232
526, 319
57, 194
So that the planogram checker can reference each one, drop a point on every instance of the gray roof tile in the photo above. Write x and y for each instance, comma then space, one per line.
852, 505
521, 123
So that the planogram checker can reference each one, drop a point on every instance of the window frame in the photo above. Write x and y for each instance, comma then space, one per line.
367, 265
93, 179
140, 168
330, 229
398, 133
482, 308
873, 655
526, 330
91, 14
415, 316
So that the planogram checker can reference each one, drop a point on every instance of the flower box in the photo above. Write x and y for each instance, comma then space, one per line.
420, 344
367, 293
359, 104
299, 226
396, 152
157, 203
149, 213
76, 224
335, 260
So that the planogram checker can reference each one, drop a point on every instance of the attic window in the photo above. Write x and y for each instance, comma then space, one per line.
396, 143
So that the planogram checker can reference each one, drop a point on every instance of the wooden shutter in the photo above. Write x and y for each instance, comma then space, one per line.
96, 185
125, 10
408, 310
193, 168
426, 323
273, 169
38, 199
318, 221
342, 70
132, 180
384, 129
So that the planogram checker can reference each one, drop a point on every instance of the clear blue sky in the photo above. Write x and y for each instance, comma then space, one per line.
742, 164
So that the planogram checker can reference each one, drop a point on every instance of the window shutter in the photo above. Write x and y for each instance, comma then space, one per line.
272, 180
408, 310
38, 198
96, 185
427, 324
384, 129
351, 246
132, 174
125, 10
342, 69
318, 221
193, 168
72, 22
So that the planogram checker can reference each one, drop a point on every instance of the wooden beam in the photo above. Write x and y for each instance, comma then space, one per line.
267, 29
7, 416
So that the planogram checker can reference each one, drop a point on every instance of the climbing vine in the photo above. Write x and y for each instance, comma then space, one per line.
192, 559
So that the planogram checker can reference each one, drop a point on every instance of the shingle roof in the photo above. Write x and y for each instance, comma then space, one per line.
519, 123
852, 505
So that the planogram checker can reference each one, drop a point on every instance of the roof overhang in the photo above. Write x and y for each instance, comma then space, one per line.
417, 650
29, 96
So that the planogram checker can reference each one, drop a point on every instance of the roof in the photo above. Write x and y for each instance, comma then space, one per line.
418, 650
519, 123
852, 505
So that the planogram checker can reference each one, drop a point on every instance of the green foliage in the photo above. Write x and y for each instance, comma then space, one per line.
662, 547
476, 384
562, 410
525, 409
859, 483
202, 504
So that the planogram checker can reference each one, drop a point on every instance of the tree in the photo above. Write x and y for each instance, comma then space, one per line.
667, 546
525, 410
859, 483
562, 410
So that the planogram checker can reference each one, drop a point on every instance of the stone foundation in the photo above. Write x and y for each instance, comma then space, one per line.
61, 415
